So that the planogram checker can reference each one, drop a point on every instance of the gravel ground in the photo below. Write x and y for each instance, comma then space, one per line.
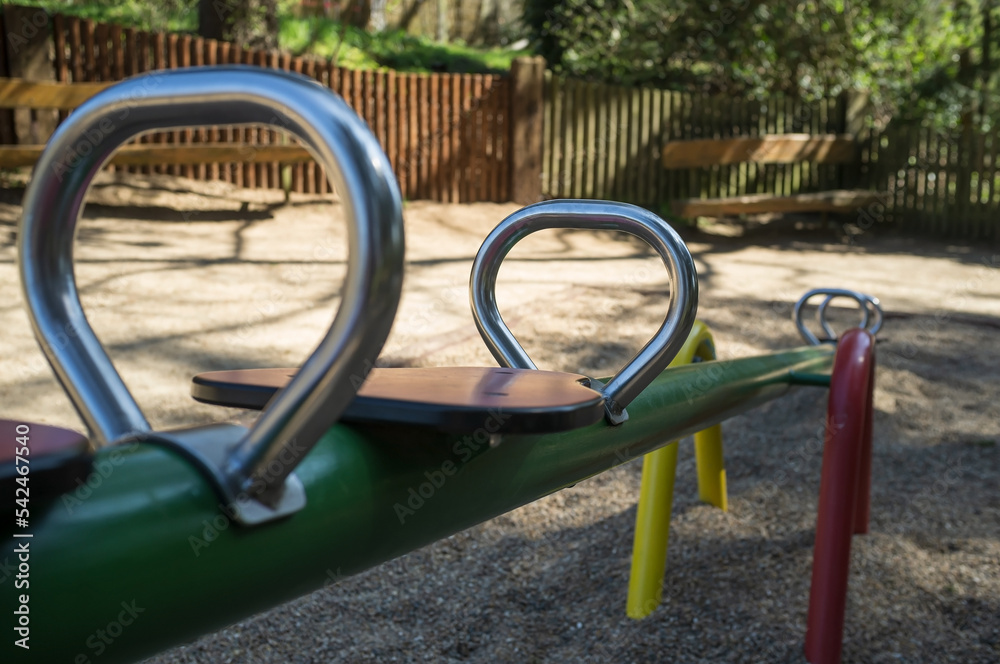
179, 278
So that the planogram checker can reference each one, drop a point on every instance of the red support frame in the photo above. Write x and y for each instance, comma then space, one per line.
844, 492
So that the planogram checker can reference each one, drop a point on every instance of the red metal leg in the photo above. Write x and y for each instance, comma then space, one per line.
863, 506
841, 493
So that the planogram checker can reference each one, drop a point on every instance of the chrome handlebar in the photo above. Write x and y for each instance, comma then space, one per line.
871, 313
360, 173
590, 215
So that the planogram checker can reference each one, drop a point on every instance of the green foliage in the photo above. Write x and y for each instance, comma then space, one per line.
393, 49
169, 15
398, 50
352, 47
912, 58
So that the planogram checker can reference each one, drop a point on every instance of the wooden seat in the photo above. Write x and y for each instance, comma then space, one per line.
57, 458
824, 201
452, 399
771, 149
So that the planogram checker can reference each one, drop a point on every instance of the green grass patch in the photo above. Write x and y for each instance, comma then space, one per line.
139, 14
391, 49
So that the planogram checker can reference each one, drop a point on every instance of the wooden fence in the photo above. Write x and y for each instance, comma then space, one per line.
940, 183
447, 136
605, 141
463, 138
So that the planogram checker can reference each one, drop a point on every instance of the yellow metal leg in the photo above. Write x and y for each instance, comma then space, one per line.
652, 531
659, 468
711, 471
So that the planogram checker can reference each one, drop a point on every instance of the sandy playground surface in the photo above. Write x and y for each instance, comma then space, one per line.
178, 279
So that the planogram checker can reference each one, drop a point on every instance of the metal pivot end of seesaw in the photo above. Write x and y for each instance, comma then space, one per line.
239, 462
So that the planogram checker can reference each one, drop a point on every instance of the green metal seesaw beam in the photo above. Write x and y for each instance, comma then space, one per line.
149, 531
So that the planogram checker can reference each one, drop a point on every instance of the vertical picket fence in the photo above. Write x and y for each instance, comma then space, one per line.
446, 135
450, 137
605, 141
939, 182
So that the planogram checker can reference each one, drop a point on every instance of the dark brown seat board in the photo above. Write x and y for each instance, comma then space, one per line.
57, 458
452, 399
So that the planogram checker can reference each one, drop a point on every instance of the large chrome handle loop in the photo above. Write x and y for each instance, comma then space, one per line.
590, 215
871, 313
360, 173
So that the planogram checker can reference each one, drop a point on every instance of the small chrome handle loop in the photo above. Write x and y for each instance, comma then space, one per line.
871, 313
359, 172
875, 306
590, 215
872, 307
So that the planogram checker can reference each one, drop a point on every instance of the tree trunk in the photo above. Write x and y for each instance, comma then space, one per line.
212, 19
357, 14
271, 26
984, 66
378, 22
442, 21
249, 22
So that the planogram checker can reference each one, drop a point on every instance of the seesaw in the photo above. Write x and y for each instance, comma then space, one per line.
152, 538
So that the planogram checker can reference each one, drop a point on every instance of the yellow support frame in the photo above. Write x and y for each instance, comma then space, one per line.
656, 494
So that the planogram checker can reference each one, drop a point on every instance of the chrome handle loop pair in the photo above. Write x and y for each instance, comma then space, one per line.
359, 172
590, 215
871, 313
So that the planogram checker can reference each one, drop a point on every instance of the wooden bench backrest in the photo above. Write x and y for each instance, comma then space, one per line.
771, 149
17, 93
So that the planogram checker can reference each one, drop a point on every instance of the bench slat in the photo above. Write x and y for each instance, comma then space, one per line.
18, 93
771, 149
145, 154
825, 201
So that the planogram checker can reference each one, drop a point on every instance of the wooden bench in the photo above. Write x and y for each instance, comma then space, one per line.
773, 149
19, 93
